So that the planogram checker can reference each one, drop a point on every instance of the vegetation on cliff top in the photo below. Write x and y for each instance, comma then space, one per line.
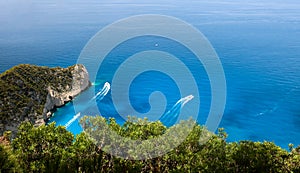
53, 149
23, 92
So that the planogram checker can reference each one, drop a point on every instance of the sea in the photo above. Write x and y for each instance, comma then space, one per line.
257, 42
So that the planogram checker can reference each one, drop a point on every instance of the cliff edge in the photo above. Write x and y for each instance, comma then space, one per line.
32, 93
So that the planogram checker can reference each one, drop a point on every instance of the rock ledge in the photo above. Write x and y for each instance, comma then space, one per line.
56, 99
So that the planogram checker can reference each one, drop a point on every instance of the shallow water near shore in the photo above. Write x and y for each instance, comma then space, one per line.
258, 43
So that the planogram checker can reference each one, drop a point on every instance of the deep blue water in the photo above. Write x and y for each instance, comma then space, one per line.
258, 43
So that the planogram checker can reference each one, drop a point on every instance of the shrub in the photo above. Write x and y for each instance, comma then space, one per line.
53, 149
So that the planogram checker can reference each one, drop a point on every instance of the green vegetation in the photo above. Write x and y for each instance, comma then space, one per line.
53, 149
23, 92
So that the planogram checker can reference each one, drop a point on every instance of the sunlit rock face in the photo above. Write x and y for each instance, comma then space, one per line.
80, 82
32, 93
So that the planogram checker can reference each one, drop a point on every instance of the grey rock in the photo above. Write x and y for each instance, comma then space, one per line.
57, 99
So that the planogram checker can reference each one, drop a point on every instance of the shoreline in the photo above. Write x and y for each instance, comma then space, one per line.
51, 112
33, 93
54, 100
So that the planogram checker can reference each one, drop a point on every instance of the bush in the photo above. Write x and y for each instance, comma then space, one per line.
41, 149
24, 92
53, 149
8, 162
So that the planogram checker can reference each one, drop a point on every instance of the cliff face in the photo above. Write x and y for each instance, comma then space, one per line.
80, 82
31, 93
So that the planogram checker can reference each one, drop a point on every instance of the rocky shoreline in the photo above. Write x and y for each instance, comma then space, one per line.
58, 99
32, 93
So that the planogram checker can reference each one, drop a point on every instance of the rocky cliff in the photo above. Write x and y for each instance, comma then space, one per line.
32, 93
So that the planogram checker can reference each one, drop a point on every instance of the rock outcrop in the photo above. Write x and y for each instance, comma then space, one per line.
80, 82
32, 93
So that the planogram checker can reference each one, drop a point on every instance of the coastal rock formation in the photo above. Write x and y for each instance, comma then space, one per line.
32, 93
80, 82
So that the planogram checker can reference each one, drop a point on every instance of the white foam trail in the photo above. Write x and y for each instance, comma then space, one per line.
103, 92
100, 95
172, 115
72, 120
181, 102
184, 100
276, 105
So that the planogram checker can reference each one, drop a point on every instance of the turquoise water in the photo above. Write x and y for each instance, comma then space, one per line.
258, 43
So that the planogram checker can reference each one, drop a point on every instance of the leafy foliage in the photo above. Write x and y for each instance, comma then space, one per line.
53, 149
42, 147
8, 161
23, 92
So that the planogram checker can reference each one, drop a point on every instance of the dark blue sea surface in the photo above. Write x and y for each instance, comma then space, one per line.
258, 43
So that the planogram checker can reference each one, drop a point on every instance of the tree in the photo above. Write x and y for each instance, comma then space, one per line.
53, 149
8, 161
41, 149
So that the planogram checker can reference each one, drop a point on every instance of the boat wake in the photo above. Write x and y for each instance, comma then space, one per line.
170, 117
103, 92
72, 120
99, 96
277, 104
